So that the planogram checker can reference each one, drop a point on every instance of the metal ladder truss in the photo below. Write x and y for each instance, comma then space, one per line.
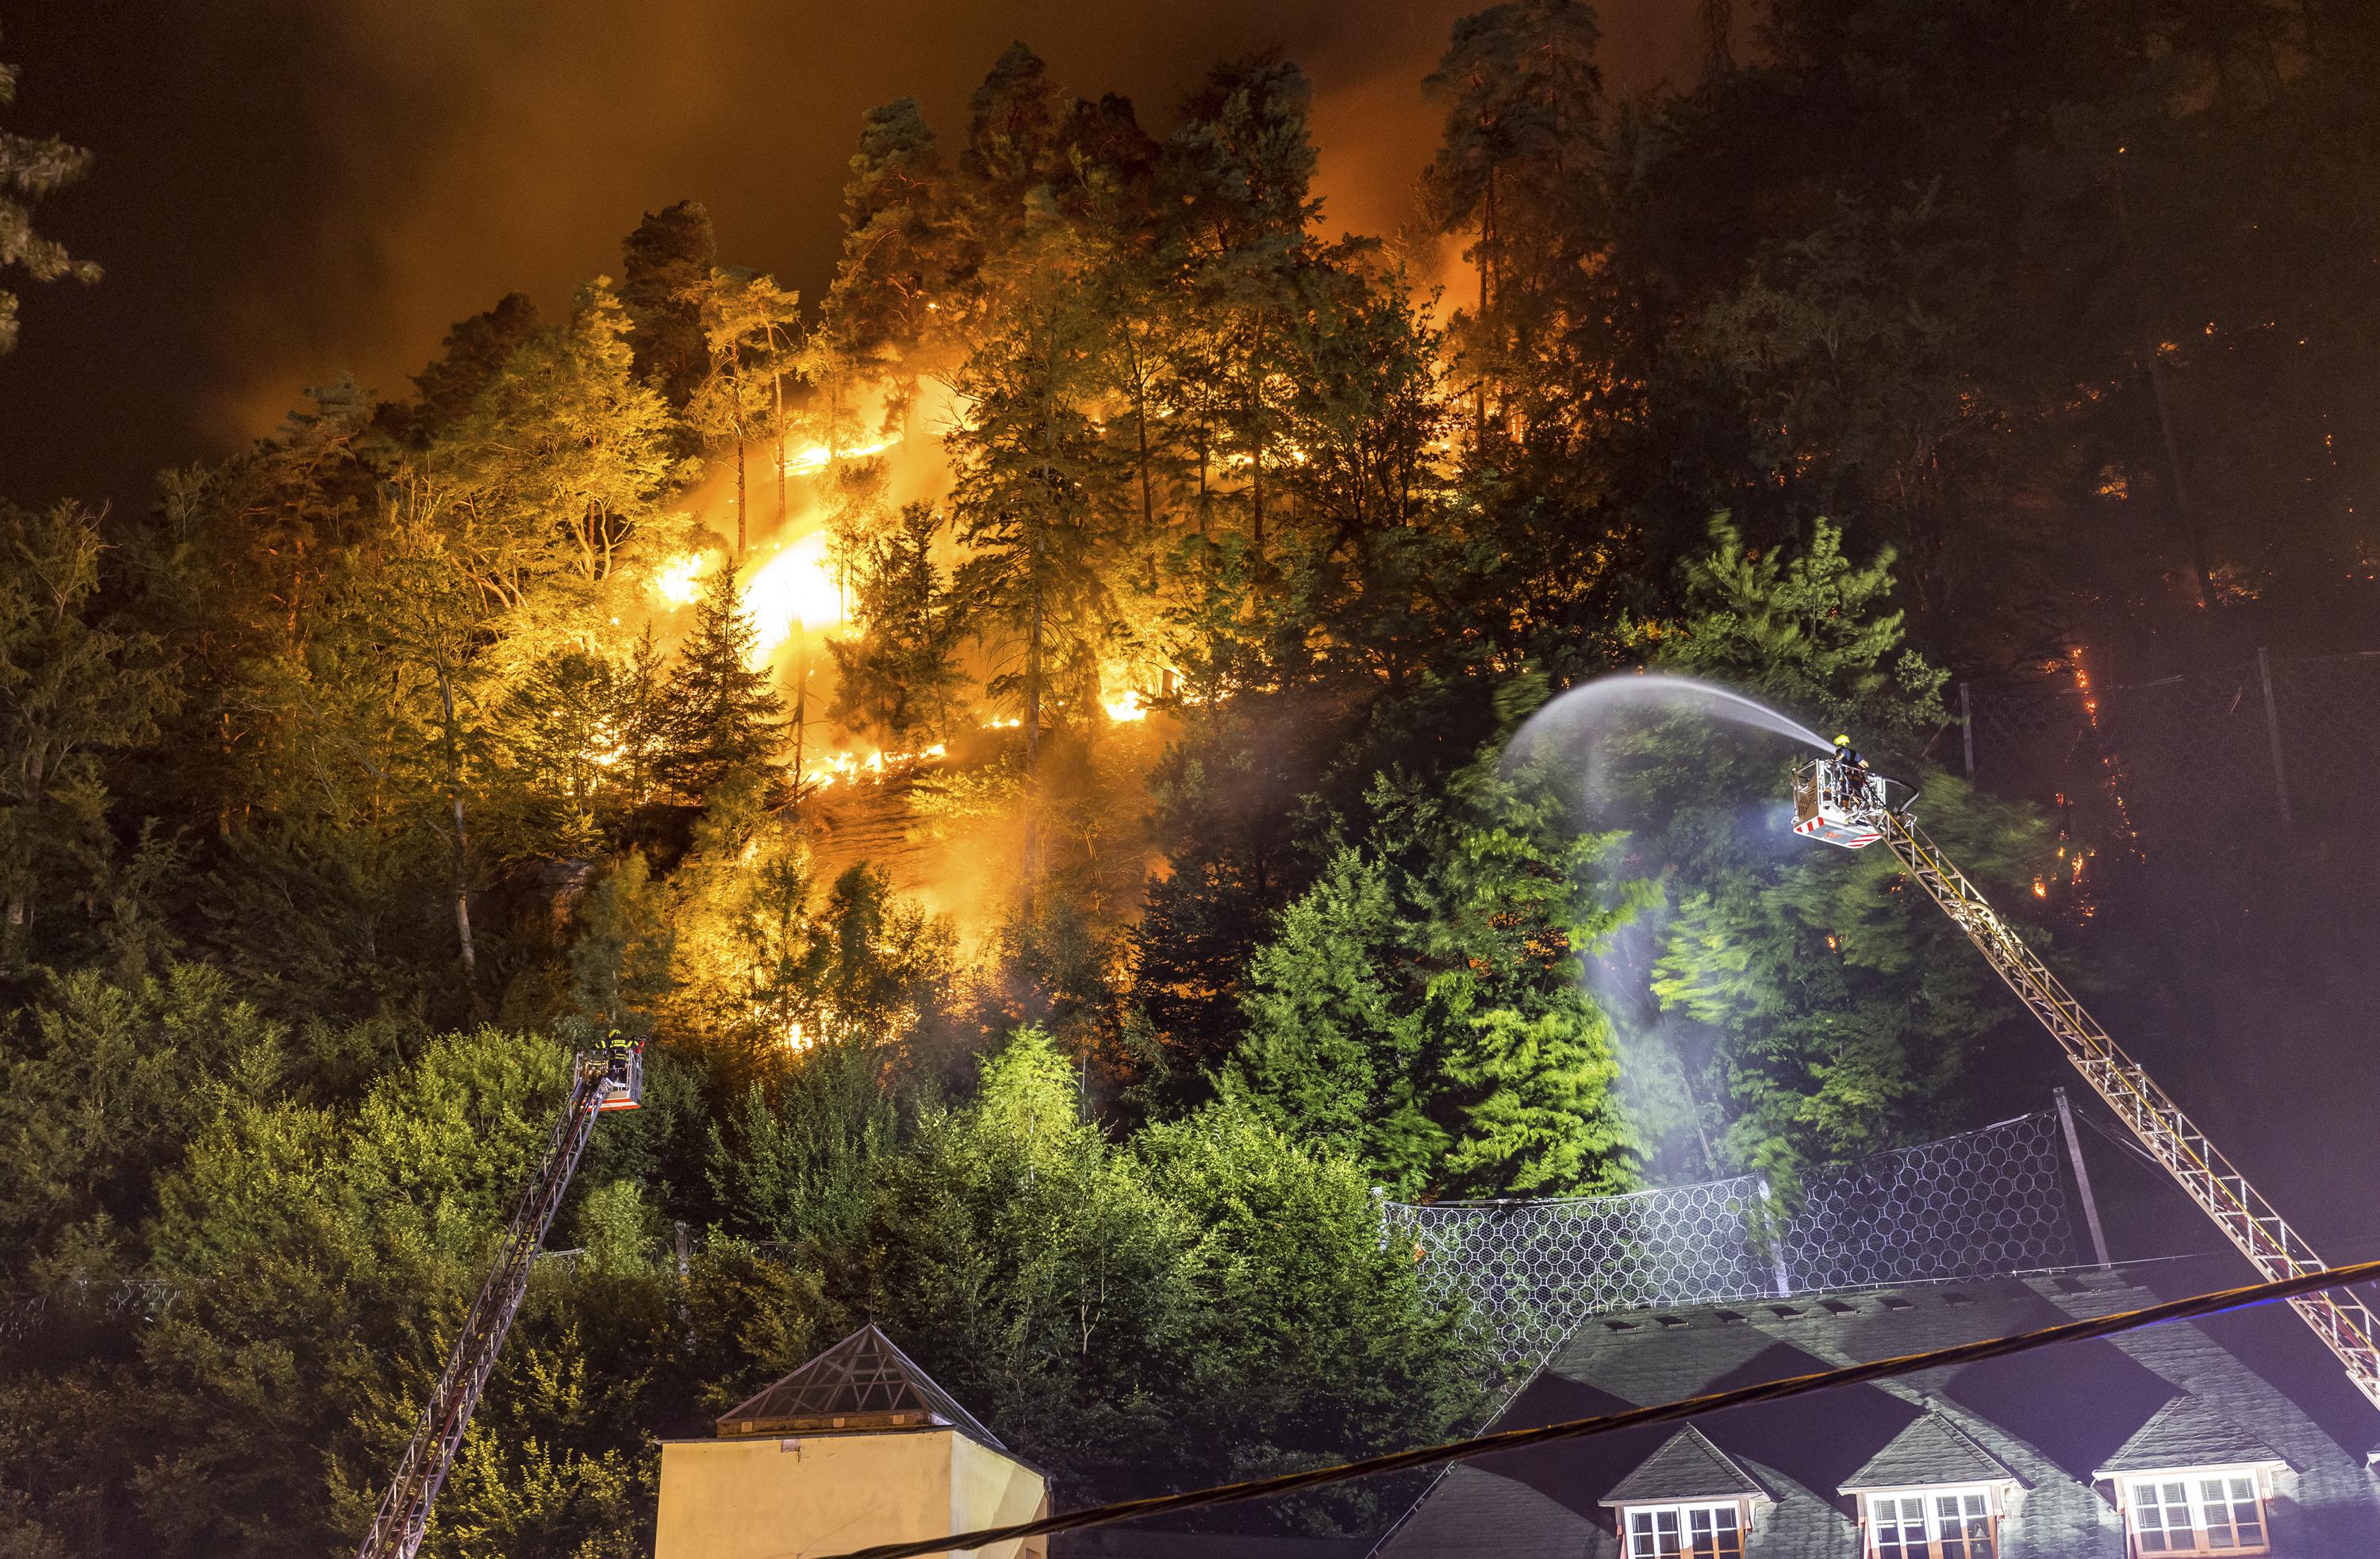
2346, 1325
404, 1512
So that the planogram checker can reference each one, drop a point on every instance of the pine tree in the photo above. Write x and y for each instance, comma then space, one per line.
74, 688
638, 721
31, 167
898, 244
750, 333
1241, 169
665, 268
473, 353
1034, 500
901, 675
1518, 169
724, 713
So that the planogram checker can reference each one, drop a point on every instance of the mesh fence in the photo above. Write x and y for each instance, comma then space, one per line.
1984, 1203
2242, 754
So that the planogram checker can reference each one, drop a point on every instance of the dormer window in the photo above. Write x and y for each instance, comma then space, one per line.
1688, 1500
2189, 1481
2198, 1510
1932, 1524
1686, 1531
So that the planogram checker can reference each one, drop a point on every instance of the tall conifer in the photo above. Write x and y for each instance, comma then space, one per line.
725, 713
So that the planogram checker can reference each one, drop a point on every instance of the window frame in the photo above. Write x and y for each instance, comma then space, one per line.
2129, 1485
1739, 1507
1871, 1535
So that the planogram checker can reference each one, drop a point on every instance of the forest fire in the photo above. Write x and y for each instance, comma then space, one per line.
813, 459
678, 581
792, 590
971, 679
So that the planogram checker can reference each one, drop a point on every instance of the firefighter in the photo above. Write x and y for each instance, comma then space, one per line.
1850, 770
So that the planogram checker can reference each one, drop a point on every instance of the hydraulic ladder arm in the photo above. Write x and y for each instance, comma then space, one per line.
601, 1081
2346, 1325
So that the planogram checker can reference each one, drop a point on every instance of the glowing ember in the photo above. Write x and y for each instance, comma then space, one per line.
793, 586
675, 582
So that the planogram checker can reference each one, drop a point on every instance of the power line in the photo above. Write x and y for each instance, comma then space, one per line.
1670, 1412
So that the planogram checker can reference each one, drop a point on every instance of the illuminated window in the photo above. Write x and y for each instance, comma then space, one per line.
1932, 1524
1685, 1531
2202, 1512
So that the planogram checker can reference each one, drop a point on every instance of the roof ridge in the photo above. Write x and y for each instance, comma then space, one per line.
1902, 1461
2188, 1431
862, 1382
1667, 1473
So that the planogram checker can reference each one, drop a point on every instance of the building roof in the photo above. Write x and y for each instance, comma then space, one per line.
1687, 1466
1932, 1450
862, 1383
2048, 1421
2187, 1431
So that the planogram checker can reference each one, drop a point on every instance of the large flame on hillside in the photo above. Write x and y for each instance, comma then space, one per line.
812, 458
787, 587
676, 581
860, 786
790, 587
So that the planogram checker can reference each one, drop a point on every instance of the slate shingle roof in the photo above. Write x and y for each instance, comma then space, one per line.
1931, 1450
1687, 1466
2050, 1421
861, 1383
2187, 1431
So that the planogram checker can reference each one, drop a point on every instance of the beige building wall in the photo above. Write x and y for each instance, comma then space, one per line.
801, 1496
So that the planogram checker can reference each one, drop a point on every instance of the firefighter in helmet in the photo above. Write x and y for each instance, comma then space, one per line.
1850, 770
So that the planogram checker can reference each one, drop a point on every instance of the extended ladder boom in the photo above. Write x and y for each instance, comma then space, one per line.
2344, 1323
600, 1080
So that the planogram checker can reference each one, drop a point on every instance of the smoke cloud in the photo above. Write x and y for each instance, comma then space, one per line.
286, 191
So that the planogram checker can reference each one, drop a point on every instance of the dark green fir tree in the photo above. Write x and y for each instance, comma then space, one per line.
723, 710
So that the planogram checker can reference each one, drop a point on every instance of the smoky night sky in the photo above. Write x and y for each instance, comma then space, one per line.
283, 190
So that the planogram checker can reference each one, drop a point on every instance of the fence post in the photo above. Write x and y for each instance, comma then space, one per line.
1774, 1227
2273, 734
1967, 728
2082, 1177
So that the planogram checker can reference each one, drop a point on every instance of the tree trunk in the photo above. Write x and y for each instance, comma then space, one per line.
1486, 265
2180, 486
1256, 447
1050, 499
1033, 684
740, 497
1141, 424
460, 875
2184, 516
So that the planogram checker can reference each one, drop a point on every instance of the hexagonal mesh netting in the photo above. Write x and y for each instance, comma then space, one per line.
1984, 1203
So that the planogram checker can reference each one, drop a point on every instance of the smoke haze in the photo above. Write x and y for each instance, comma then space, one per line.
285, 190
